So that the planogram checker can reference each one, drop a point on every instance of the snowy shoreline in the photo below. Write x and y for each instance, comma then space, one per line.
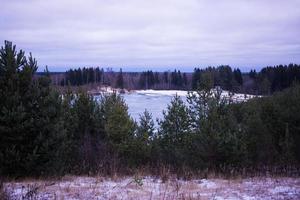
237, 97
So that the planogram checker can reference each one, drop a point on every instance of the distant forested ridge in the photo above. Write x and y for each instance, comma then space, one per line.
267, 81
44, 132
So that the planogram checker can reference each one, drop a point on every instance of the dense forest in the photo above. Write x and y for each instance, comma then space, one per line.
265, 82
43, 132
129, 80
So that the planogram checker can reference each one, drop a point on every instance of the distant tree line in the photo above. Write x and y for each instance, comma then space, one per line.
130, 80
83, 76
222, 76
272, 79
43, 132
267, 81
169, 80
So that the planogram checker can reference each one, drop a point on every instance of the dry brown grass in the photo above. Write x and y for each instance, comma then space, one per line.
151, 187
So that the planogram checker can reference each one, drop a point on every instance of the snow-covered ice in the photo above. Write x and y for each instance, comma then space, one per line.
155, 101
236, 96
162, 92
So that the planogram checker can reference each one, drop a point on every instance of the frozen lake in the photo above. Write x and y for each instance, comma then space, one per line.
154, 101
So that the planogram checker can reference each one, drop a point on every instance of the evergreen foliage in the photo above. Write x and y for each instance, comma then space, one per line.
83, 76
222, 76
31, 129
174, 130
142, 143
118, 125
120, 81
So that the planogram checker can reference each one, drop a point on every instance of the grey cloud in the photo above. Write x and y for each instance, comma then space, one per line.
175, 33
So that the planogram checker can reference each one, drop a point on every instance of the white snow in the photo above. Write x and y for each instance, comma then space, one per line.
207, 183
283, 189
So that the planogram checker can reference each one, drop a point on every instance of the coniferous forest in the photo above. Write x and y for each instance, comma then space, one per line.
265, 82
44, 132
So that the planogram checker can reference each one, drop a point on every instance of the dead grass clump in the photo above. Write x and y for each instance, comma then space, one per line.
32, 192
3, 193
164, 173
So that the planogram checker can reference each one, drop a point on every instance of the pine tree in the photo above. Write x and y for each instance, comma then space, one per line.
143, 81
216, 137
174, 131
156, 78
252, 74
120, 81
166, 77
30, 124
176, 120
196, 78
226, 77
185, 81
140, 146
118, 125
238, 76
146, 127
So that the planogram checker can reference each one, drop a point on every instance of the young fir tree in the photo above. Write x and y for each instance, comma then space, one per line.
145, 129
141, 144
87, 132
118, 125
216, 134
174, 131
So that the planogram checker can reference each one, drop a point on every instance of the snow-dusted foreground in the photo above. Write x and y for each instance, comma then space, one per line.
152, 188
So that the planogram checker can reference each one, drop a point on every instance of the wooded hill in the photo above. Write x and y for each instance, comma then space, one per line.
43, 133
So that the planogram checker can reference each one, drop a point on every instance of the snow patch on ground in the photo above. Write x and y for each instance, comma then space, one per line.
284, 190
207, 183
152, 188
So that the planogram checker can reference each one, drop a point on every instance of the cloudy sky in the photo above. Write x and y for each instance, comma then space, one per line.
159, 34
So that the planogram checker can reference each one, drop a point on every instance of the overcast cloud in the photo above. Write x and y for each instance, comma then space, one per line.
156, 33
